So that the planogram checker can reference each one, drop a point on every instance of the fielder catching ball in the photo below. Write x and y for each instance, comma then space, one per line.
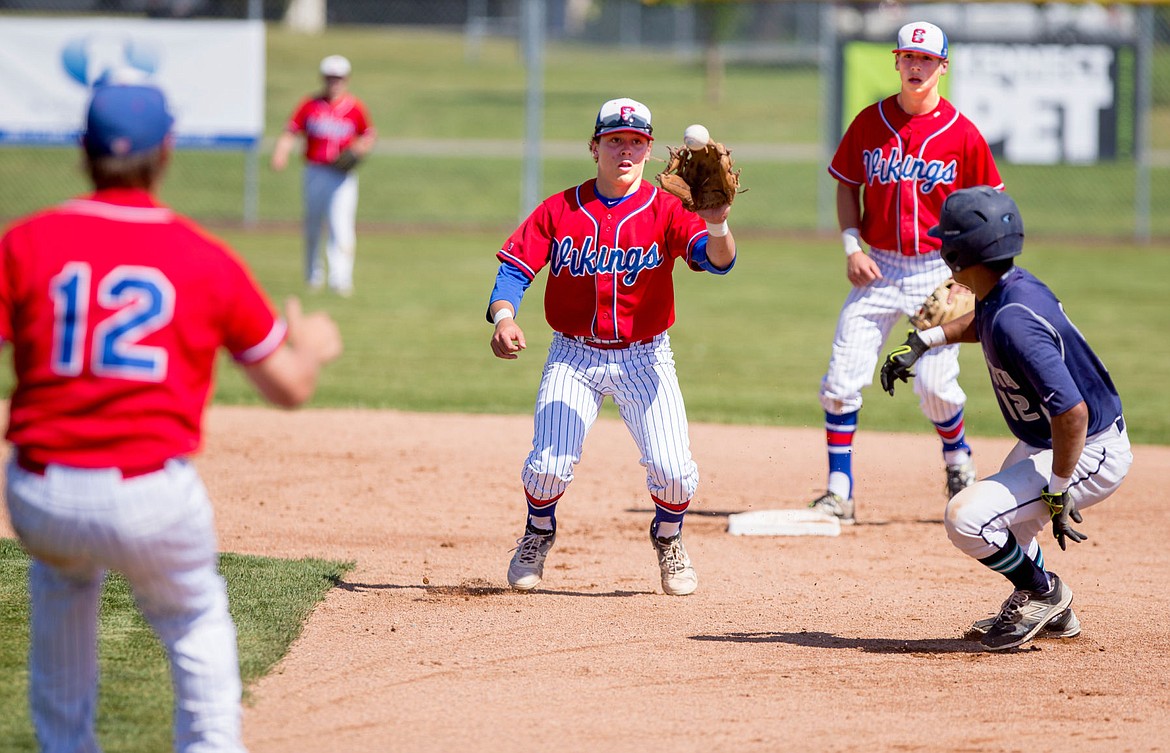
610, 245
115, 307
899, 159
1058, 400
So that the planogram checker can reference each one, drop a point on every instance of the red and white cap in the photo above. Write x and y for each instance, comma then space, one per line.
335, 66
623, 115
920, 36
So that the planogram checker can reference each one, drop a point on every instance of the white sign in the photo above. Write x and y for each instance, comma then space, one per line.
211, 71
1042, 103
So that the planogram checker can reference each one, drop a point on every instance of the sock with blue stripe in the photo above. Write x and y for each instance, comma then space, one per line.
542, 513
668, 518
953, 434
839, 431
1014, 564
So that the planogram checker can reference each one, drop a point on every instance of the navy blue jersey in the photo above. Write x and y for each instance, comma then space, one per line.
1039, 362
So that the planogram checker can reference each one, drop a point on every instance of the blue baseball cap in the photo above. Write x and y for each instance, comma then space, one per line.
126, 119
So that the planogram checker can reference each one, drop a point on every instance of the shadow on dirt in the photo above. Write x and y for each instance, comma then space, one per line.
869, 645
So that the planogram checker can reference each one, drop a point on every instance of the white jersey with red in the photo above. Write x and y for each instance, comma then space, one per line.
610, 268
329, 127
116, 307
907, 166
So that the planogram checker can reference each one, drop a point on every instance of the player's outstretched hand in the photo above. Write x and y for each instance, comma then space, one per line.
508, 339
900, 361
314, 335
1061, 509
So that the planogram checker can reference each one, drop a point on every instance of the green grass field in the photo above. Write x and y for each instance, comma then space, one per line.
751, 346
270, 601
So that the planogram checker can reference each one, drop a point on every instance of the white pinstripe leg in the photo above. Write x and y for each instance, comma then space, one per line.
173, 569
63, 660
866, 318
936, 383
651, 404
567, 404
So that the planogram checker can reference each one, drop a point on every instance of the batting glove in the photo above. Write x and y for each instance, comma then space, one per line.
1060, 509
901, 359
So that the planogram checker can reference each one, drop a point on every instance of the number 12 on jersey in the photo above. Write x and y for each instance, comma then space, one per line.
140, 301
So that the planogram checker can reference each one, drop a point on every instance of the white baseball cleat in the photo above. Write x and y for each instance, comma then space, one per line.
527, 567
678, 576
835, 506
959, 477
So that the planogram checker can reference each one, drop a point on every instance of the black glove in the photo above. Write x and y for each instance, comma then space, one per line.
900, 360
347, 160
1060, 509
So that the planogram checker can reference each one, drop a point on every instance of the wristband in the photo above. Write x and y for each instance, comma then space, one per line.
851, 240
933, 336
719, 230
502, 314
1058, 484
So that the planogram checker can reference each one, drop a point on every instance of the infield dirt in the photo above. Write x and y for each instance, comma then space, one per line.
848, 643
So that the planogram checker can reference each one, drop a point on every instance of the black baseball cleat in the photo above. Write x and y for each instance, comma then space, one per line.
1064, 625
1025, 614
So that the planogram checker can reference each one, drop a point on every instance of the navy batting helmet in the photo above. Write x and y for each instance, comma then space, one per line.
978, 225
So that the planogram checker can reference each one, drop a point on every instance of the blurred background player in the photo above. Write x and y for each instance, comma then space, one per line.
897, 162
115, 307
333, 122
1058, 400
610, 245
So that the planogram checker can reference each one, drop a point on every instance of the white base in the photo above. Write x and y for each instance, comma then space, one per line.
783, 523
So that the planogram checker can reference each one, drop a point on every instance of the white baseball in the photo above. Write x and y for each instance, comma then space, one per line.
696, 136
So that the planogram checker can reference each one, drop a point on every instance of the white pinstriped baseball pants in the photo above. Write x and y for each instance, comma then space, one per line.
642, 381
158, 531
866, 318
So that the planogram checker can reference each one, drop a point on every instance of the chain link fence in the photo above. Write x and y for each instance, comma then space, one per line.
1075, 98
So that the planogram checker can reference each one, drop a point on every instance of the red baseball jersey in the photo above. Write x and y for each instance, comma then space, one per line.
329, 127
115, 307
610, 268
908, 165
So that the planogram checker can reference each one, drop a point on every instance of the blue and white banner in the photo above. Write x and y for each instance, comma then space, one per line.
212, 73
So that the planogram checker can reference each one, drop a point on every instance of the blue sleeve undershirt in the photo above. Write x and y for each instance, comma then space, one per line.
699, 258
510, 286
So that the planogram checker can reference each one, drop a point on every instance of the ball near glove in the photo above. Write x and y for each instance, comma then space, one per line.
701, 174
696, 136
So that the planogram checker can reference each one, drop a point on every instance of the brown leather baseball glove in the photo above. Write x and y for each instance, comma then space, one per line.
948, 302
701, 178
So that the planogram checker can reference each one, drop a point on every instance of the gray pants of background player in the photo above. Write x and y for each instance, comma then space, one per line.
157, 530
331, 198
